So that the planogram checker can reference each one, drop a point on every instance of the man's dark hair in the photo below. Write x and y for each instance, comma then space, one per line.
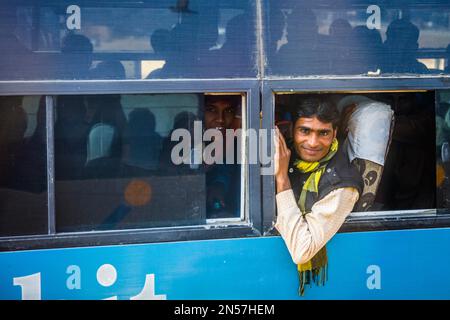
234, 100
325, 110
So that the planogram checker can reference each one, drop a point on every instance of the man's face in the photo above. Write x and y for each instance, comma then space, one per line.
312, 138
219, 114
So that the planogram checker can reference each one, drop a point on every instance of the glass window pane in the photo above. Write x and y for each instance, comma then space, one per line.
123, 40
139, 161
357, 37
443, 150
23, 166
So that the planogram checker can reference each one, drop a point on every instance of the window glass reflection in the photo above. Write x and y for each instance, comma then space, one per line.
443, 150
354, 37
122, 40
119, 163
23, 166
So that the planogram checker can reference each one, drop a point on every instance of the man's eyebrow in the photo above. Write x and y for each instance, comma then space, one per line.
310, 129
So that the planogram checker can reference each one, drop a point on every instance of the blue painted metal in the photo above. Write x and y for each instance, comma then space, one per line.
413, 264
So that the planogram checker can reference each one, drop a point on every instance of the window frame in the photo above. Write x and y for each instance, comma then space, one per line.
273, 86
251, 226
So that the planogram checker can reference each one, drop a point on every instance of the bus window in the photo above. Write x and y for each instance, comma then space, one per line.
139, 161
123, 40
390, 137
23, 166
357, 37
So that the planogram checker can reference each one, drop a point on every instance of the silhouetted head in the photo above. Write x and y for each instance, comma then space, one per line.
161, 40
76, 43
108, 70
184, 120
77, 50
142, 119
340, 29
403, 34
302, 24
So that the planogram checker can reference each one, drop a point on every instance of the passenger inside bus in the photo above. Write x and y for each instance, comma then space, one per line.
103, 146
31, 163
235, 51
304, 44
23, 166
76, 54
221, 112
346, 49
401, 47
183, 120
222, 180
408, 179
142, 144
107, 122
112, 69
71, 130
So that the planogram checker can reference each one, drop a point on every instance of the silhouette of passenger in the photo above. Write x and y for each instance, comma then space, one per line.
236, 53
142, 144
222, 180
183, 120
31, 165
366, 49
14, 63
23, 170
12, 129
339, 46
161, 42
106, 109
107, 122
71, 131
305, 51
76, 50
108, 70
401, 47
178, 49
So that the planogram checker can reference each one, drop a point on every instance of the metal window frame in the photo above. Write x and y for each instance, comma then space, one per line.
273, 86
250, 227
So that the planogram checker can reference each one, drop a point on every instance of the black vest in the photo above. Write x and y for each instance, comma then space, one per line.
339, 173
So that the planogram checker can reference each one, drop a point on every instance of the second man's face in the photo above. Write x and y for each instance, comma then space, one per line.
219, 115
312, 138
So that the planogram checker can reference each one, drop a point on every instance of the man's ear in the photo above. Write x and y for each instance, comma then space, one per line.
335, 132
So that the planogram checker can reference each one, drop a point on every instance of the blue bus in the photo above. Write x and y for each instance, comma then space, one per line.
92, 93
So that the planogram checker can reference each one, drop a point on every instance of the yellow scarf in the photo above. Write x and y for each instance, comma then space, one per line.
316, 268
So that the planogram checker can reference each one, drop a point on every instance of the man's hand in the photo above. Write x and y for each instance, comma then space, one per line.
282, 156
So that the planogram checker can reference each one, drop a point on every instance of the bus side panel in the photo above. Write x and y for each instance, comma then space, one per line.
406, 264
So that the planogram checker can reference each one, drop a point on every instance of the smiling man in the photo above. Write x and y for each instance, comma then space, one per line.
317, 187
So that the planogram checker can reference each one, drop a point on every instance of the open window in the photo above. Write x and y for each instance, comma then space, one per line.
391, 138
